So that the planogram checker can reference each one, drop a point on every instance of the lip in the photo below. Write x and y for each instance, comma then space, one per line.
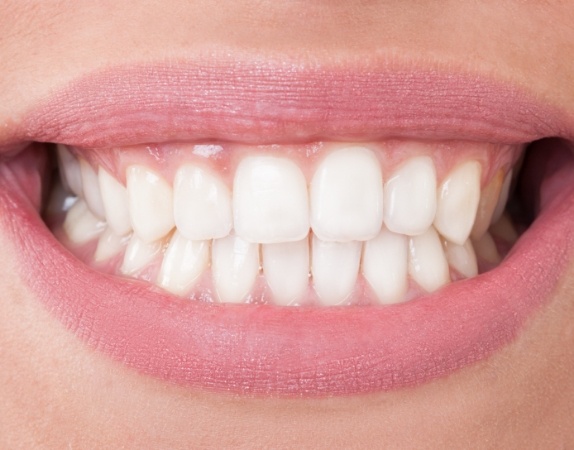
262, 349
271, 102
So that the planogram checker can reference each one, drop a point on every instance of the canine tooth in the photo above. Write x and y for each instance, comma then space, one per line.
234, 265
385, 266
347, 196
488, 200
462, 258
458, 198
335, 266
410, 197
115, 201
70, 170
201, 204
286, 269
503, 199
80, 225
270, 200
139, 254
183, 262
109, 245
91, 189
427, 262
150, 200
486, 249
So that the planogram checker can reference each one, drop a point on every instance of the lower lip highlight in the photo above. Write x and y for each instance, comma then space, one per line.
262, 349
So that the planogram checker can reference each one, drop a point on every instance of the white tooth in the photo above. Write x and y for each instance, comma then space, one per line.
109, 245
462, 258
458, 198
410, 197
150, 200
115, 201
503, 200
347, 196
335, 266
486, 249
91, 188
70, 170
385, 266
234, 265
488, 200
139, 254
201, 204
427, 262
183, 262
286, 269
270, 200
81, 225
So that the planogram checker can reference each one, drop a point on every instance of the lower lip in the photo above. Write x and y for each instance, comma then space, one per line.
261, 349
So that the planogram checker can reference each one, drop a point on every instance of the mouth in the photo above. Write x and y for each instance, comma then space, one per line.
292, 239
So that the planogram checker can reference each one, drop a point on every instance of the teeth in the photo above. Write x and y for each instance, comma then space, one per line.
504, 229
488, 200
235, 265
335, 266
503, 200
80, 225
70, 170
202, 204
410, 197
150, 201
462, 258
458, 198
109, 245
486, 249
91, 188
286, 268
347, 196
385, 266
139, 254
184, 261
427, 262
115, 201
270, 200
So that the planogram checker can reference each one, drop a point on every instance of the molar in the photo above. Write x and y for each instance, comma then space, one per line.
80, 225
70, 170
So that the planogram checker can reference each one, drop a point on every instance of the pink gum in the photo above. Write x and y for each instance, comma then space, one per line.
223, 158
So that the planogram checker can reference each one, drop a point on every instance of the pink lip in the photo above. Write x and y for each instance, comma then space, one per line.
277, 102
271, 350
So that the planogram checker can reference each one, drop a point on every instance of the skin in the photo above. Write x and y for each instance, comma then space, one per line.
57, 393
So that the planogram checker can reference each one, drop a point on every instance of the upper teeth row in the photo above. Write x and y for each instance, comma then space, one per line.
271, 201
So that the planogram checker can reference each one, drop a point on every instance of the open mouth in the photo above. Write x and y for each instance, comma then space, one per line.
312, 267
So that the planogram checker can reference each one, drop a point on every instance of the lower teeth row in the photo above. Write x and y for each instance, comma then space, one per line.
395, 267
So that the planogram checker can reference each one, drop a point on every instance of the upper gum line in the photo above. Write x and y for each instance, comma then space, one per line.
482, 166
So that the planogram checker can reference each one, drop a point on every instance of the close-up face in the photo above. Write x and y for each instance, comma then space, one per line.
286, 224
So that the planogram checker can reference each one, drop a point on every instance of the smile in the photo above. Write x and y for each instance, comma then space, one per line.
294, 239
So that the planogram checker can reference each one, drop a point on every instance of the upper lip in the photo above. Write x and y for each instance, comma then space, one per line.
261, 348
273, 102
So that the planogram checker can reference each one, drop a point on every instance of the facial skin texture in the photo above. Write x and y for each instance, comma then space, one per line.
57, 393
